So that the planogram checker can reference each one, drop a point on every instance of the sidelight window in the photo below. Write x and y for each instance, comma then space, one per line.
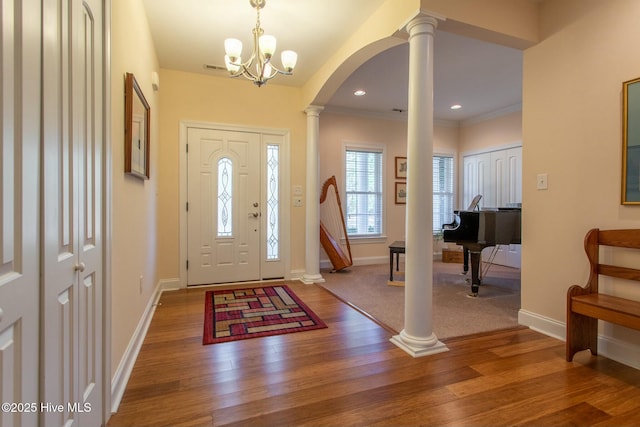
273, 199
225, 197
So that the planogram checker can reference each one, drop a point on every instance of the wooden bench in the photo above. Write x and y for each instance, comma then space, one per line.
585, 305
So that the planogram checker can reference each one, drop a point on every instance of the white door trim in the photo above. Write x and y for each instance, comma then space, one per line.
286, 186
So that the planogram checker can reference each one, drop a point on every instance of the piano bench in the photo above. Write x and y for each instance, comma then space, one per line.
585, 305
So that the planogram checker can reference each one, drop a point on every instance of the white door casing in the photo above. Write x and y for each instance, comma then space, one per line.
73, 132
19, 220
258, 246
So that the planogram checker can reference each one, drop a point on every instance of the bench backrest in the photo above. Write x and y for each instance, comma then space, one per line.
617, 238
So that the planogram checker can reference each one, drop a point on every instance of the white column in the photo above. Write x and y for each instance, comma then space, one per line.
417, 337
312, 229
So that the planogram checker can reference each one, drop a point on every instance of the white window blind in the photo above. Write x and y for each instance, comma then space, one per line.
364, 191
442, 191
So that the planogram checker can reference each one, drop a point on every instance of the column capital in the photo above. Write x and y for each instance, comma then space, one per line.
313, 110
423, 22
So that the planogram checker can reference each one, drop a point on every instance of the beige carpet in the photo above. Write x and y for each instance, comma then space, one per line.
454, 312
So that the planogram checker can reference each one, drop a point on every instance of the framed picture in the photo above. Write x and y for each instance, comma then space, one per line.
631, 142
401, 168
401, 193
137, 116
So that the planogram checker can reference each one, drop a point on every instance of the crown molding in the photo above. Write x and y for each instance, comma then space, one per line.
403, 116
388, 115
491, 115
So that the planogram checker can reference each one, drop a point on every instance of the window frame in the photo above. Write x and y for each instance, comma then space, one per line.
452, 156
372, 148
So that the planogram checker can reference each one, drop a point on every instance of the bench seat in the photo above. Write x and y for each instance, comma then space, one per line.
620, 311
586, 305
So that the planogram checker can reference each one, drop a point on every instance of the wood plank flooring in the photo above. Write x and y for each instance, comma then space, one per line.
351, 375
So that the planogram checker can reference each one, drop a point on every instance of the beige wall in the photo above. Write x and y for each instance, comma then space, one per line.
338, 129
203, 98
572, 132
134, 221
502, 131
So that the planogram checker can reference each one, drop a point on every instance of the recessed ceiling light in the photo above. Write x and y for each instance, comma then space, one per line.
359, 92
456, 107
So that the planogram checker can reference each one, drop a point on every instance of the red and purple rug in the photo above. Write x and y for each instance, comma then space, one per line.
237, 314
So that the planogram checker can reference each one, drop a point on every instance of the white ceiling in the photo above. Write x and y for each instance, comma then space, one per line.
484, 78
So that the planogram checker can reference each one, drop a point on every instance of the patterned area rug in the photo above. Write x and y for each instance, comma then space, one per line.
237, 314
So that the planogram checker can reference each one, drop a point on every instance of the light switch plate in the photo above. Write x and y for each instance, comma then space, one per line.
541, 183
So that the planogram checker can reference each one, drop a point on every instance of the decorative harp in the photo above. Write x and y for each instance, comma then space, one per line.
333, 231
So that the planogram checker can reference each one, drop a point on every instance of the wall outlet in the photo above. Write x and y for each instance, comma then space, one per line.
297, 202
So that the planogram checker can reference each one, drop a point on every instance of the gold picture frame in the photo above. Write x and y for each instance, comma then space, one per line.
631, 142
137, 118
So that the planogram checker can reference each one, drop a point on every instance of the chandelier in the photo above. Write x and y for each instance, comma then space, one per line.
264, 46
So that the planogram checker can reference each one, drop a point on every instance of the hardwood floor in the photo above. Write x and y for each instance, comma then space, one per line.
351, 375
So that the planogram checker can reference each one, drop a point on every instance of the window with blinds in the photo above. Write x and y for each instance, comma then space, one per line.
364, 191
442, 191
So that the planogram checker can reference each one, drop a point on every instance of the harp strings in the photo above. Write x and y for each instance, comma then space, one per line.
330, 215
332, 219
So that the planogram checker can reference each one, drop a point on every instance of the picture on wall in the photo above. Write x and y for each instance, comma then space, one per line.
631, 142
401, 168
401, 193
136, 126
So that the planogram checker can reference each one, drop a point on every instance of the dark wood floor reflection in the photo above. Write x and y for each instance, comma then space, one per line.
351, 375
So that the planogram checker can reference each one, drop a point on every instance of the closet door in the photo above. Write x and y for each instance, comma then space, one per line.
477, 180
19, 173
72, 194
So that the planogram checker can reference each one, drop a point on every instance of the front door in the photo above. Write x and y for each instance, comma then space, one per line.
224, 206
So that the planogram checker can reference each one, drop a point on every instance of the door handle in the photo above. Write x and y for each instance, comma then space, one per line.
80, 267
254, 214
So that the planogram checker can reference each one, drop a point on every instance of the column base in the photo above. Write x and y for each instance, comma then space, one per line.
418, 347
309, 279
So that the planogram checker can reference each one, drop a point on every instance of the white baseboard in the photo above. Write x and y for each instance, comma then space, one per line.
325, 263
169, 285
123, 372
296, 274
624, 352
542, 324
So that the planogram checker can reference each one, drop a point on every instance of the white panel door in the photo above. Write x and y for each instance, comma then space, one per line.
470, 180
72, 193
224, 206
477, 180
19, 192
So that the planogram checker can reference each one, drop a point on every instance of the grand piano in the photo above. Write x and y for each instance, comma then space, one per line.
475, 230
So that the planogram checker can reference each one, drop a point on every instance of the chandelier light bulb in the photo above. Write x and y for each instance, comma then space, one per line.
289, 59
267, 71
267, 45
232, 66
233, 49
